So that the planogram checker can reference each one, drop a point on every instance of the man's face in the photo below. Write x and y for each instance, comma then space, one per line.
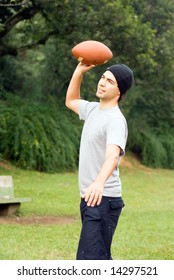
107, 88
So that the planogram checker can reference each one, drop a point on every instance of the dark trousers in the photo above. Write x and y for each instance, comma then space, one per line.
98, 227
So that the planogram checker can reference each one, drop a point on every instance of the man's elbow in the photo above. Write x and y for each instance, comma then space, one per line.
72, 105
67, 103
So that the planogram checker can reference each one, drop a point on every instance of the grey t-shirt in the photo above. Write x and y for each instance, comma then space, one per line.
101, 127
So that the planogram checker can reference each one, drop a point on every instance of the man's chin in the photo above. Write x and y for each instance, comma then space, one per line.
99, 95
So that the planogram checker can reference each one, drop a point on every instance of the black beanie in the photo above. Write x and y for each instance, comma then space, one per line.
123, 75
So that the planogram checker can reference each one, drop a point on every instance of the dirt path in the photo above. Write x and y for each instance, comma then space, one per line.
47, 220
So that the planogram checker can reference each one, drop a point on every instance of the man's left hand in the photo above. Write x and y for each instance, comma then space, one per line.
93, 194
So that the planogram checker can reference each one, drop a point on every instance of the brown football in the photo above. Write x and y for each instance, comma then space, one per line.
92, 52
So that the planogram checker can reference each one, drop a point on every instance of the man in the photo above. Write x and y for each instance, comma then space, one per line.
102, 145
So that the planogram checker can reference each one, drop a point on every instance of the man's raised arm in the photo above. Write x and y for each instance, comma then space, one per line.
73, 91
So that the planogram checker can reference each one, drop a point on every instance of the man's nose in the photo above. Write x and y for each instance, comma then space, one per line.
102, 82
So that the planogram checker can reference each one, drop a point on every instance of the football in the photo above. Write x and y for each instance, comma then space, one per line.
92, 52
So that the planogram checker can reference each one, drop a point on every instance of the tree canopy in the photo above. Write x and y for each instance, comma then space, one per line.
36, 38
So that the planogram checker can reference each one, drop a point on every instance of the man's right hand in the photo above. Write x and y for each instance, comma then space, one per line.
82, 68
73, 92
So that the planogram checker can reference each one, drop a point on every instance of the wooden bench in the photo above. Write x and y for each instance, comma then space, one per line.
8, 203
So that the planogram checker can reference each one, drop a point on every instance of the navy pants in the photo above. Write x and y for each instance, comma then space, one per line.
98, 227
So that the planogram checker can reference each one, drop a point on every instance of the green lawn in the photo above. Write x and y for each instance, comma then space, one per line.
145, 229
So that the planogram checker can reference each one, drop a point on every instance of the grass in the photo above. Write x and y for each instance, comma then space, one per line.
145, 229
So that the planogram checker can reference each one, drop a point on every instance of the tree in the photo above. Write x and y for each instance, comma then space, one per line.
36, 38
59, 25
155, 105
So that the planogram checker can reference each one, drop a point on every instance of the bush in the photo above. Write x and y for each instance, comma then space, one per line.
155, 150
38, 137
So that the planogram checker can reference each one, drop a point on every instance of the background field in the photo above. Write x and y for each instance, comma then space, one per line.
48, 227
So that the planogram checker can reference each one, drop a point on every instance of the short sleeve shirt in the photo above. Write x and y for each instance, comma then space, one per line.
101, 128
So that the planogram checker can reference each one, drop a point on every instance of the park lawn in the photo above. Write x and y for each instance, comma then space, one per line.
145, 229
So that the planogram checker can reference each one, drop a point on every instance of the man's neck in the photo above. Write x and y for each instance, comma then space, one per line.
107, 105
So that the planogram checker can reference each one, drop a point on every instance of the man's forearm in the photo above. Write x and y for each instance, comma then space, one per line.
109, 165
93, 194
73, 91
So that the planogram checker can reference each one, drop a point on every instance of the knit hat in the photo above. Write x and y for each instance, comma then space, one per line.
123, 75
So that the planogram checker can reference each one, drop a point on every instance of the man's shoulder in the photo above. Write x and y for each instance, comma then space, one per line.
83, 102
116, 117
86, 107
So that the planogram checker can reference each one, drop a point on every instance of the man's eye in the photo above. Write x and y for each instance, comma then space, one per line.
111, 82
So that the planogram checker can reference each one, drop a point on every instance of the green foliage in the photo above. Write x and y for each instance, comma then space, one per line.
167, 141
150, 125
140, 34
38, 137
154, 150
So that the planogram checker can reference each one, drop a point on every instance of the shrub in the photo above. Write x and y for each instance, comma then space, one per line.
155, 150
39, 137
